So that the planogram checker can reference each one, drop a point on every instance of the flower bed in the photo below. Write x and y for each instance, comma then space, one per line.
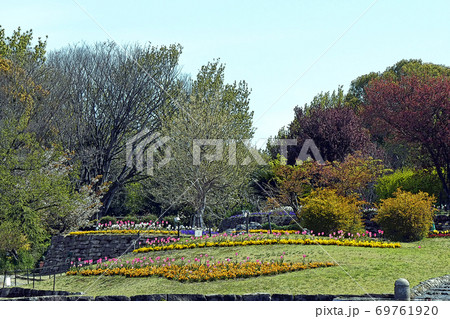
278, 241
124, 232
437, 233
274, 231
198, 271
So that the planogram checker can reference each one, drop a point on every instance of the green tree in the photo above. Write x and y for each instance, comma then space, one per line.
37, 198
19, 48
207, 137
409, 180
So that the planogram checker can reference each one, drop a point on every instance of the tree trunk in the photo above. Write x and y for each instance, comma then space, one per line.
107, 199
198, 218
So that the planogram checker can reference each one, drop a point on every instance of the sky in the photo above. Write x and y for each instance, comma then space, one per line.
287, 51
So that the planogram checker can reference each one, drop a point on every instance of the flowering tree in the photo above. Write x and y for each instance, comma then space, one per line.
417, 111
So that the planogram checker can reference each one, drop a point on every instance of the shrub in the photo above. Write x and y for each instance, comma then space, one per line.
409, 180
107, 219
131, 218
291, 226
149, 217
406, 216
326, 211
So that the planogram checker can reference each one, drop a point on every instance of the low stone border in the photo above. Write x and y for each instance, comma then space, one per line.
20, 294
17, 292
421, 288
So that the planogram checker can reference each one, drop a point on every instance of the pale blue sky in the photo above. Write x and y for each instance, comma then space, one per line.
287, 51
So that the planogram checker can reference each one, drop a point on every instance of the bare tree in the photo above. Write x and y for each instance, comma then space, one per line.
111, 93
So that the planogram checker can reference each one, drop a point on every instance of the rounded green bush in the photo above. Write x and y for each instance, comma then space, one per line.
326, 211
406, 216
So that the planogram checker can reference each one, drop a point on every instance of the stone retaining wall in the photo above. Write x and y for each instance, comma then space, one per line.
42, 295
65, 249
18, 292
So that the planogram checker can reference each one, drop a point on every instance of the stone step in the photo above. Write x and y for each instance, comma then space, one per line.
437, 290
432, 297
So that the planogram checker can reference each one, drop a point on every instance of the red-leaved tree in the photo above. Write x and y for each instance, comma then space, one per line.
416, 110
336, 131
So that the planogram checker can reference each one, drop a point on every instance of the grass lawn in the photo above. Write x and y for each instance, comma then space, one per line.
360, 271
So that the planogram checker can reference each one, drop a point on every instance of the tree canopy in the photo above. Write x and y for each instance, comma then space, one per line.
207, 141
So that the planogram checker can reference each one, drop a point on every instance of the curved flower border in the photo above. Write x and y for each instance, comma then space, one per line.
202, 272
353, 243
